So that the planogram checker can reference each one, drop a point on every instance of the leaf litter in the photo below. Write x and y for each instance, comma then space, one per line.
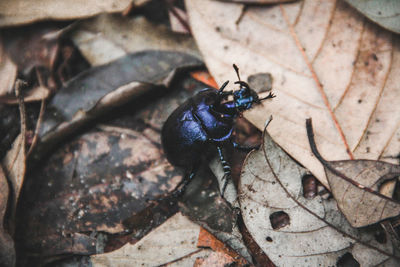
105, 38
355, 185
328, 63
317, 233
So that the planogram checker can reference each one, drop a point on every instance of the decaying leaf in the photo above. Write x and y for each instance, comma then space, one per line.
8, 71
258, 2
223, 252
293, 230
108, 37
14, 162
93, 185
23, 12
7, 251
386, 13
172, 241
328, 62
98, 90
355, 186
33, 47
179, 20
38, 93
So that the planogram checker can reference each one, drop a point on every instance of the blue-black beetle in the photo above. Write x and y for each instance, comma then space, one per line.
202, 124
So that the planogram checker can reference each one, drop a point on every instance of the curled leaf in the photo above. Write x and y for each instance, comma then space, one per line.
355, 186
311, 232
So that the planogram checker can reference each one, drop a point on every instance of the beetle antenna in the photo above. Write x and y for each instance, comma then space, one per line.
237, 71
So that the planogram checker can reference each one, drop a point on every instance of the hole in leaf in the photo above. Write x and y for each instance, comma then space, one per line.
279, 219
347, 260
310, 186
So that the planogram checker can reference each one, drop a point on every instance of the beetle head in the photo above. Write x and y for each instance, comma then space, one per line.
245, 97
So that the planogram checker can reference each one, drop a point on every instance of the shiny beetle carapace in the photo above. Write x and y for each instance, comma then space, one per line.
203, 124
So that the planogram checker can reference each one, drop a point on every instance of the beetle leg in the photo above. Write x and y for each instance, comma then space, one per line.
244, 148
181, 187
227, 170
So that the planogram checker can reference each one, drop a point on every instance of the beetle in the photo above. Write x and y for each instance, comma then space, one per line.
202, 124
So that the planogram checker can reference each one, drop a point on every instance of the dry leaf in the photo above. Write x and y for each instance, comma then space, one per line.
173, 240
93, 184
108, 37
310, 232
327, 61
35, 94
22, 12
355, 185
14, 162
258, 2
385, 13
100, 89
7, 251
179, 20
8, 72
208, 240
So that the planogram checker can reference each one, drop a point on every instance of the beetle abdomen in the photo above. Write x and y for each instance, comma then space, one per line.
183, 138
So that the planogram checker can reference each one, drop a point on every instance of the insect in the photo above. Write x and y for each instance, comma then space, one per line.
202, 125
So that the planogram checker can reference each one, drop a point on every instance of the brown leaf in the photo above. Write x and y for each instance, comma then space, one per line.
258, 2
32, 47
208, 240
7, 251
23, 12
14, 162
108, 37
8, 72
179, 20
318, 234
170, 242
328, 62
93, 184
355, 186
38, 93
95, 92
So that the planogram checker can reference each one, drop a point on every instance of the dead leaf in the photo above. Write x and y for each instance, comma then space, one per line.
92, 185
22, 12
317, 233
385, 13
258, 2
355, 185
173, 240
32, 47
8, 72
14, 162
38, 93
328, 62
179, 20
7, 251
111, 36
96, 91
208, 240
